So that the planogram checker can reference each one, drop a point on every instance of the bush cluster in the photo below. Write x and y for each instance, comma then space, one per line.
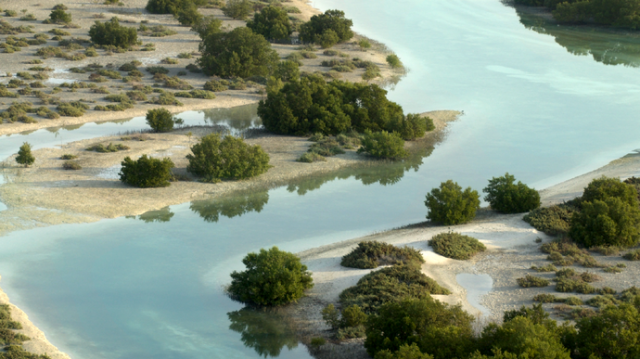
160, 120
372, 254
272, 22
390, 284
112, 33
101, 148
449, 204
272, 278
146, 172
383, 145
237, 53
506, 196
553, 220
311, 105
327, 29
455, 245
215, 158
171, 6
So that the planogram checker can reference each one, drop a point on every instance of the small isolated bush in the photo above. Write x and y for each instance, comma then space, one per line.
364, 44
229, 158
455, 245
157, 70
272, 278
24, 155
633, 255
238, 9
68, 156
166, 98
71, 165
546, 298
72, 109
146, 172
112, 33
394, 61
552, 220
383, 144
216, 85
311, 157
606, 250
331, 316
160, 120
506, 196
390, 284
101, 148
449, 205
326, 147
612, 269
372, 254
59, 16
532, 281
545, 268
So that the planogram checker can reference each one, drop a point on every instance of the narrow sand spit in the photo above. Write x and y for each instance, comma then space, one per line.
38, 343
511, 251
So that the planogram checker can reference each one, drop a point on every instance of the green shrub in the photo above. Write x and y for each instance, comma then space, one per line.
71, 165
506, 196
160, 120
546, 298
390, 284
166, 98
383, 145
606, 250
238, 9
612, 269
372, 254
59, 16
170, 6
24, 155
414, 126
552, 220
287, 70
112, 33
450, 205
546, 268
394, 61
272, 278
101, 148
603, 188
612, 222
331, 23
271, 22
157, 70
438, 329
238, 53
72, 109
633, 255
10, 13
455, 245
371, 72
68, 157
229, 158
532, 281
216, 85
331, 316
311, 157
317, 342
326, 147
146, 172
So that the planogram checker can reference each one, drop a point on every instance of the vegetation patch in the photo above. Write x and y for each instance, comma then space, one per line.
372, 254
146, 171
532, 281
455, 245
634, 255
108, 148
71, 165
390, 284
449, 204
553, 220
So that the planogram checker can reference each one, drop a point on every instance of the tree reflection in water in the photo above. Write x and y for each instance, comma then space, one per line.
232, 206
160, 215
265, 331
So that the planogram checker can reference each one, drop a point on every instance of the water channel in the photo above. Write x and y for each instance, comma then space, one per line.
152, 286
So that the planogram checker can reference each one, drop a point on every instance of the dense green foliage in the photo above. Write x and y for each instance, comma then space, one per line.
532, 281
146, 172
59, 16
170, 6
17, 352
112, 33
25, 157
372, 254
450, 205
160, 119
287, 71
8, 335
240, 52
272, 278
271, 22
455, 245
312, 105
553, 220
238, 9
327, 29
383, 145
611, 222
506, 196
390, 284
604, 187
436, 328
617, 13
229, 158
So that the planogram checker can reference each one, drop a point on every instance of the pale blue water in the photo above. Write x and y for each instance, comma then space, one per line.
131, 288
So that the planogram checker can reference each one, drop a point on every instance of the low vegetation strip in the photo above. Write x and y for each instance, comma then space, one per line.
390, 284
455, 245
372, 254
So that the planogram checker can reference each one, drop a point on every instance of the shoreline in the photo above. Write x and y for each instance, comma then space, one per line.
511, 251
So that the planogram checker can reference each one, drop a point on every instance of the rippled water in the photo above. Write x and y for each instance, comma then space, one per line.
152, 286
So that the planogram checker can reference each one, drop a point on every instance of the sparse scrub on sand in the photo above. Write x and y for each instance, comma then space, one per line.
372, 254
101, 148
633, 255
455, 245
553, 220
310, 157
71, 165
532, 281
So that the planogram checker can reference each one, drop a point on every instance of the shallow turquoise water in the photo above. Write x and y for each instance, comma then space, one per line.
130, 288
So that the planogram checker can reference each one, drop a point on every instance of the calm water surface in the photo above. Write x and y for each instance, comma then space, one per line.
152, 286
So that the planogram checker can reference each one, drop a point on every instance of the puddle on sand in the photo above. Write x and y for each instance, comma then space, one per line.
476, 285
